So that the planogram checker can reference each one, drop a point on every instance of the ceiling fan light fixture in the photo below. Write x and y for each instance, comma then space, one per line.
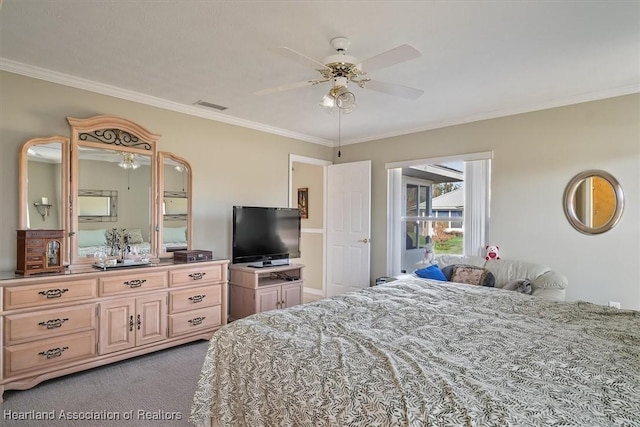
339, 98
128, 161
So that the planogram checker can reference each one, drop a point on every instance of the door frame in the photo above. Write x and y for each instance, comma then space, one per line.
324, 163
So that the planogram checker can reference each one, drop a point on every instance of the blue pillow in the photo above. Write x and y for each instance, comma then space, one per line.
432, 272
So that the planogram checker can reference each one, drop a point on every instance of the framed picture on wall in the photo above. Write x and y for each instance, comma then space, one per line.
303, 202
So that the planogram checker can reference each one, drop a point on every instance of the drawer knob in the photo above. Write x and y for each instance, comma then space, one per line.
197, 276
135, 283
52, 353
196, 321
53, 293
53, 323
197, 298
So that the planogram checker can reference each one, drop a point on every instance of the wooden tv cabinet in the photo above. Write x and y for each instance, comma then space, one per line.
254, 290
58, 324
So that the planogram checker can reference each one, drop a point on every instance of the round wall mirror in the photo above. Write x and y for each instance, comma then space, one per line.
593, 202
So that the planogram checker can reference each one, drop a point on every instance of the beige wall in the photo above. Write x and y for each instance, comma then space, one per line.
305, 175
231, 165
535, 156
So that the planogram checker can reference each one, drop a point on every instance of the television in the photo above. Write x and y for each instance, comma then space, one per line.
265, 236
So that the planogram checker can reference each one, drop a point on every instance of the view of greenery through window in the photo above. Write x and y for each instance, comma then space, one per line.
446, 242
446, 238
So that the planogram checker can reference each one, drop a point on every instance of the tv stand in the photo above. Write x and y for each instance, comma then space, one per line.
254, 290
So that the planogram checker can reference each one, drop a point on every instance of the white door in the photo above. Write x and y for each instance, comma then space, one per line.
348, 227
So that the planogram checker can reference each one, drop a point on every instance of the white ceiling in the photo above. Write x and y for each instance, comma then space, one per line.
480, 59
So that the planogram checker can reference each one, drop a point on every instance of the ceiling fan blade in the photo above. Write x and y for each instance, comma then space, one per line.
300, 58
390, 57
285, 87
394, 89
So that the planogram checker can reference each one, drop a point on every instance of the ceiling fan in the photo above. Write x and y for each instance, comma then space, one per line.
340, 69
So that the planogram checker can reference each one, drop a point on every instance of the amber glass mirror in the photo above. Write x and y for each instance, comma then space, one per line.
593, 202
175, 188
113, 182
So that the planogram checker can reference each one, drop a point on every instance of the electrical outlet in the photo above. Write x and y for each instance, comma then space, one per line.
614, 304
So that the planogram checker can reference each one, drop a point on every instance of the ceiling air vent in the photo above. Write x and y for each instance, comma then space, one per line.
210, 105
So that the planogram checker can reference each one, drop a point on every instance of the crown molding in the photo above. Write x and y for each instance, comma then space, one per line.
103, 89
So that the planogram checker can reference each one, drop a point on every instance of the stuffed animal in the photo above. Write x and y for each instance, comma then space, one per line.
492, 253
429, 256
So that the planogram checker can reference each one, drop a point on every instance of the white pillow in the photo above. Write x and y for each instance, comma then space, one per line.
174, 235
92, 238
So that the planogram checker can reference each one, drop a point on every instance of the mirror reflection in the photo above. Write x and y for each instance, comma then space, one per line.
43, 196
97, 205
114, 187
593, 202
176, 181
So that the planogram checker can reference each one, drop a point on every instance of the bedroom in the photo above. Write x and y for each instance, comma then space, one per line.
535, 155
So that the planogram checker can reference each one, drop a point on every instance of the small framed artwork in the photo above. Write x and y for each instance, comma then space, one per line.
303, 202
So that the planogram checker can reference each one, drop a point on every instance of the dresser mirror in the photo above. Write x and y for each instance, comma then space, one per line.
42, 184
114, 189
108, 190
593, 202
113, 157
175, 186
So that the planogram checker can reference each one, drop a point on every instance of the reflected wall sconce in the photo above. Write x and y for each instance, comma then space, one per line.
43, 207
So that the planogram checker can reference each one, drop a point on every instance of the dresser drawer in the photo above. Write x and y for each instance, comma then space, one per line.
194, 321
48, 293
132, 281
194, 274
48, 323
195, 298
51, 352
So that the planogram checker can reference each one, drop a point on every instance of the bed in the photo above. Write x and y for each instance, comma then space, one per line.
417, 352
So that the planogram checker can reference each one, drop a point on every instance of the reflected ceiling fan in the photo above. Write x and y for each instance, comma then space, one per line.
340, 69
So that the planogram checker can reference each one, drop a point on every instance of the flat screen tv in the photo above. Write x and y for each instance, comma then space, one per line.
265, 236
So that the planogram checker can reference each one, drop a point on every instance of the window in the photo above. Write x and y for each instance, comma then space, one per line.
458, 220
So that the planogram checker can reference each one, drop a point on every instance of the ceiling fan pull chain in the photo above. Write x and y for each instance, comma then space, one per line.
339, 127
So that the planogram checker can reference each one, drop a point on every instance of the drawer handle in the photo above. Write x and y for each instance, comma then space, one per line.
197, 298
53, 323
52, 353
139, 322
130, 323
53, 293
197, 276
135, 283
196, 321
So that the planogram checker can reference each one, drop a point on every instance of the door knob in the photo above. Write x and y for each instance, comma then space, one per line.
365, 240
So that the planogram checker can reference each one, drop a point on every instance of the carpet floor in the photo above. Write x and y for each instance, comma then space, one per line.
151, 390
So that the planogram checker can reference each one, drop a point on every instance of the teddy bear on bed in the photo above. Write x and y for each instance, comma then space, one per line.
492, 253
429, 256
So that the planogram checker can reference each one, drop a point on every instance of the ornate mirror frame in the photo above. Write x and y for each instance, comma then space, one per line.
570, 195
103, 136
118, 135
58, 202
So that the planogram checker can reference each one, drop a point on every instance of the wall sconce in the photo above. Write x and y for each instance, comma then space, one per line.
43, 207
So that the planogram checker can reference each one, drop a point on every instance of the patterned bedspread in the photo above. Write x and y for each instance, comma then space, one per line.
421, 353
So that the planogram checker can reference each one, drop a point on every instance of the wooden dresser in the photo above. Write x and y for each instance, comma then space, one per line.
53, 325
